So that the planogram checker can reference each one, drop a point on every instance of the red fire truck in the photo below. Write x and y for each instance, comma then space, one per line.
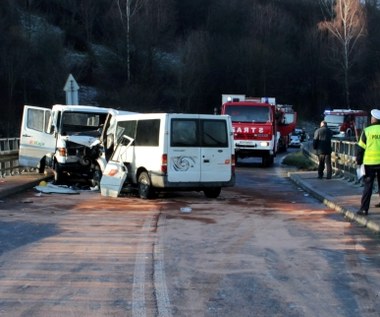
286, 123
346, 122
260, 127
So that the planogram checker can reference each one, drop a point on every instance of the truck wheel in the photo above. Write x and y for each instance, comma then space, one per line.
145, 186
58, 174
96, 177
41, 167
212, 192
268, 160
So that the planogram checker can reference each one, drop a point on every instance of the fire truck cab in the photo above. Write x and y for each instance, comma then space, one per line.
254, 126
346, 122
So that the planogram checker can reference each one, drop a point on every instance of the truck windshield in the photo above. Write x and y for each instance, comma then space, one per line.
248, 113
330, 118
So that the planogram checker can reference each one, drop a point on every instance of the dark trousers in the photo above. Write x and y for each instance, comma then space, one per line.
370, 174
324, 160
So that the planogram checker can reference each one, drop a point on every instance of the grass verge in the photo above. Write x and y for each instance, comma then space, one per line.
299, 160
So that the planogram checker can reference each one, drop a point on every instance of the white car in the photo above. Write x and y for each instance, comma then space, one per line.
295, 140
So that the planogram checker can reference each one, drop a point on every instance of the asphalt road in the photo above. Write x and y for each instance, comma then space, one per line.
264, 248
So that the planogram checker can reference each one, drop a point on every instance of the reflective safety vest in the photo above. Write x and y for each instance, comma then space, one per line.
371, 145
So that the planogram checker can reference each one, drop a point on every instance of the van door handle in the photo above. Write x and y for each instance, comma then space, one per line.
26, 135
206, 161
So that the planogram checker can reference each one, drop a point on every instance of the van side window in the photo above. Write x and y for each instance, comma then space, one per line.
184, 132
38, 120
214, 133
147, 133
127, 128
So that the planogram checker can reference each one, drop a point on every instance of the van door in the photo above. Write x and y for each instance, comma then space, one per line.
215, 151
184, 155
35, 139
115, 172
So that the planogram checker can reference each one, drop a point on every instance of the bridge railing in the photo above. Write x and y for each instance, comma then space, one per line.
9, 148
9, 145
343, 157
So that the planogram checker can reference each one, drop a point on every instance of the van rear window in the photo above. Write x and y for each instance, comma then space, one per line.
214, 133
198, 132
184, 132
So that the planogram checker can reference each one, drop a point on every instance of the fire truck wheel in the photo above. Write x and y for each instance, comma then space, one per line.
212, 192
268, 160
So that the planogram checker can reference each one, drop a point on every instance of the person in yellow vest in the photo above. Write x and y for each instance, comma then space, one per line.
368, 153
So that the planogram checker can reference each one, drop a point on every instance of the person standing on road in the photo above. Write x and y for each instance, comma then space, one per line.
368, 153
322, 144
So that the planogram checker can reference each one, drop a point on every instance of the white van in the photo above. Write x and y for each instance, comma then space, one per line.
165, 151
65, 138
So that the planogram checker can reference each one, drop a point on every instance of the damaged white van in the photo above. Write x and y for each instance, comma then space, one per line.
166, 151
65, 138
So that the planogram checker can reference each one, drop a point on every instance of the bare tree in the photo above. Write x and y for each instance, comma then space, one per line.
345, 21
192, 71
270, 26
89, 11
127, 9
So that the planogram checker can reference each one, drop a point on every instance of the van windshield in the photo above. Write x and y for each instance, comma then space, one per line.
81, 121
248, 113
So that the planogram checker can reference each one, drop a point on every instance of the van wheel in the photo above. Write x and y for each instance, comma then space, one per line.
212, 192
145, 186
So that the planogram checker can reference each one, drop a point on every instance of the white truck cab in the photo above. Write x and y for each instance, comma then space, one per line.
65, 138
166, 151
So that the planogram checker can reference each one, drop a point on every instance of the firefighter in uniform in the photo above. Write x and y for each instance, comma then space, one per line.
368, 153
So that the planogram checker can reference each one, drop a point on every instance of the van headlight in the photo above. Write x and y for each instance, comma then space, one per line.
264, 144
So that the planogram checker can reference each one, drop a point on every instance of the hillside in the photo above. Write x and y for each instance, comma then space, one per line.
180, 55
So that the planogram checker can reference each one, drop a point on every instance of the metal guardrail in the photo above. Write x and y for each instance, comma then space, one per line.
343, 158
9, 164
9, 145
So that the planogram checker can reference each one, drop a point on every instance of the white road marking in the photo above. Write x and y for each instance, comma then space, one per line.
138, 292
162, 296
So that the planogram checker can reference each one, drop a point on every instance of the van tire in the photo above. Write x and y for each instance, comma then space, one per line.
212, 192
144, 186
